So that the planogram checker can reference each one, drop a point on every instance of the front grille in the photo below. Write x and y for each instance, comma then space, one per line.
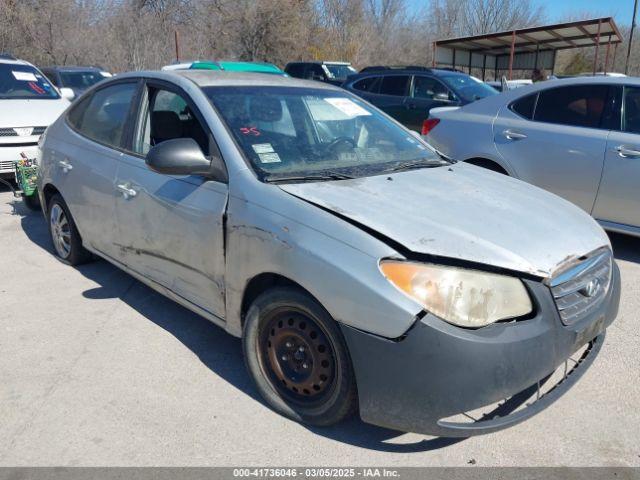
578, 290
10, 132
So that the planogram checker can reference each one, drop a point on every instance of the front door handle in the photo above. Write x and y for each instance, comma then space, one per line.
65, 165
127, 191
627, 152
513, 135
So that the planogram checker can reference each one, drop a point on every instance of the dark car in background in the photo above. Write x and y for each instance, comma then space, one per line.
408, 94
330, 72
77, 79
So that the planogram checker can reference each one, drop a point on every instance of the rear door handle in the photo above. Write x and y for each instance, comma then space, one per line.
513, 135
127, 191
627, 152
65, 165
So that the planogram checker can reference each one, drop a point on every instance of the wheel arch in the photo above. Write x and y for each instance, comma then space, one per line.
47, 192
262, 282
489, 164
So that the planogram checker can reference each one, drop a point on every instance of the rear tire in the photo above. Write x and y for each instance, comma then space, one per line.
64, 234
298, 359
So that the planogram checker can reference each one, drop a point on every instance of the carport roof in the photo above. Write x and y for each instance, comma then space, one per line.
583, 33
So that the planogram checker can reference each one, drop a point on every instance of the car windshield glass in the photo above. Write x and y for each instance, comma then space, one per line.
81, 80
340, 71
467, 88
317, 133
24, 82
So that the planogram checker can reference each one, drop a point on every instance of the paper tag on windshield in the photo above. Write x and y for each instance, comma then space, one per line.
262, 148
24, 76
269, 157
347, 107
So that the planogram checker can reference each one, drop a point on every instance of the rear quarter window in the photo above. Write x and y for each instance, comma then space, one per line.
369, 84
525, 106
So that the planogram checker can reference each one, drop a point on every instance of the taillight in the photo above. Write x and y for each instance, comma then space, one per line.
428, 125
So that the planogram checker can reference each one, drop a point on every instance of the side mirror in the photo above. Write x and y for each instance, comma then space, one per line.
179, 156
442, 97
67, 93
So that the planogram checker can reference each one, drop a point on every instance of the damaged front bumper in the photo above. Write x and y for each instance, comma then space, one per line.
437, 370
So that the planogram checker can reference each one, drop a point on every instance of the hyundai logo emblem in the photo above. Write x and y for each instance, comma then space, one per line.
591, 288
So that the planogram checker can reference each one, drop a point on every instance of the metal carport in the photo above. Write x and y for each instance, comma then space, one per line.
527, 48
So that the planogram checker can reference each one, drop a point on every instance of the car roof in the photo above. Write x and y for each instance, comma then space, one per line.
495, 102
72, 68
14, 61
406, 71
217, 78
318, 62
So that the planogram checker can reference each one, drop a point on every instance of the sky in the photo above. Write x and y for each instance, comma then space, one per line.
560, 10
563, 10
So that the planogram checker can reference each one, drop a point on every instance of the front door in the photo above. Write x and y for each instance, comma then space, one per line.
619, 195
171, 227
561, 149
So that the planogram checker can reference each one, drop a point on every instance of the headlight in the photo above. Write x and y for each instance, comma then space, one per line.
468, 298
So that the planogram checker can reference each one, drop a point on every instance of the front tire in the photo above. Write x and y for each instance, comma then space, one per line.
298, 359
64, 234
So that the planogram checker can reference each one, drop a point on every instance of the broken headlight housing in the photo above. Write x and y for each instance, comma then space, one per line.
463, 297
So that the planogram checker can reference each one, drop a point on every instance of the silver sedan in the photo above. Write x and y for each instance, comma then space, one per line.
578, 138
362, 270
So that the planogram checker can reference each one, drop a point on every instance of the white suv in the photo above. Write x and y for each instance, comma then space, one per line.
29, 103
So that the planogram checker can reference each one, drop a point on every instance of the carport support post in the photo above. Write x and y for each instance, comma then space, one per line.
511, 53
535, 63
470, 57
606, 57
453, 61
177, 40
434, 48
595, 58
484, 66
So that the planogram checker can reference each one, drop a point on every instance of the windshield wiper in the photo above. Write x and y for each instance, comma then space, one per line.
418, 164
316, 177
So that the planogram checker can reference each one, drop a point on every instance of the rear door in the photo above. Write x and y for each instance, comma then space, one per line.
391, 96
171, 227
86, 159
556, 139
619, 194
426, 93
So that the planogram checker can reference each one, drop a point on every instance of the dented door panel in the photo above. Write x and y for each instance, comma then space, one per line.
171, 231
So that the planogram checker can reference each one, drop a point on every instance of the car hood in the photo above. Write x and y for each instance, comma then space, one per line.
31, 113
465, 213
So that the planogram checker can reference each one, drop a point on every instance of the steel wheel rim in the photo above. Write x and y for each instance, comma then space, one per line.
60, 231
301, 376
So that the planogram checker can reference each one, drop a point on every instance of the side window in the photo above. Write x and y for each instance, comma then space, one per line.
314, 71
102, 116
631, 116
524, 106
426, 87
369, 84
168, 116
394, 85
296, 70
578, 105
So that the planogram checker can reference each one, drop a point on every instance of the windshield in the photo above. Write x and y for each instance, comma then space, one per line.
340, 71
467, 88
306, 132
81, 80
24, 82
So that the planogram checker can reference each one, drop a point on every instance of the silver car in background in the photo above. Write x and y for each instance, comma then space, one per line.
361, 269
578, 138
